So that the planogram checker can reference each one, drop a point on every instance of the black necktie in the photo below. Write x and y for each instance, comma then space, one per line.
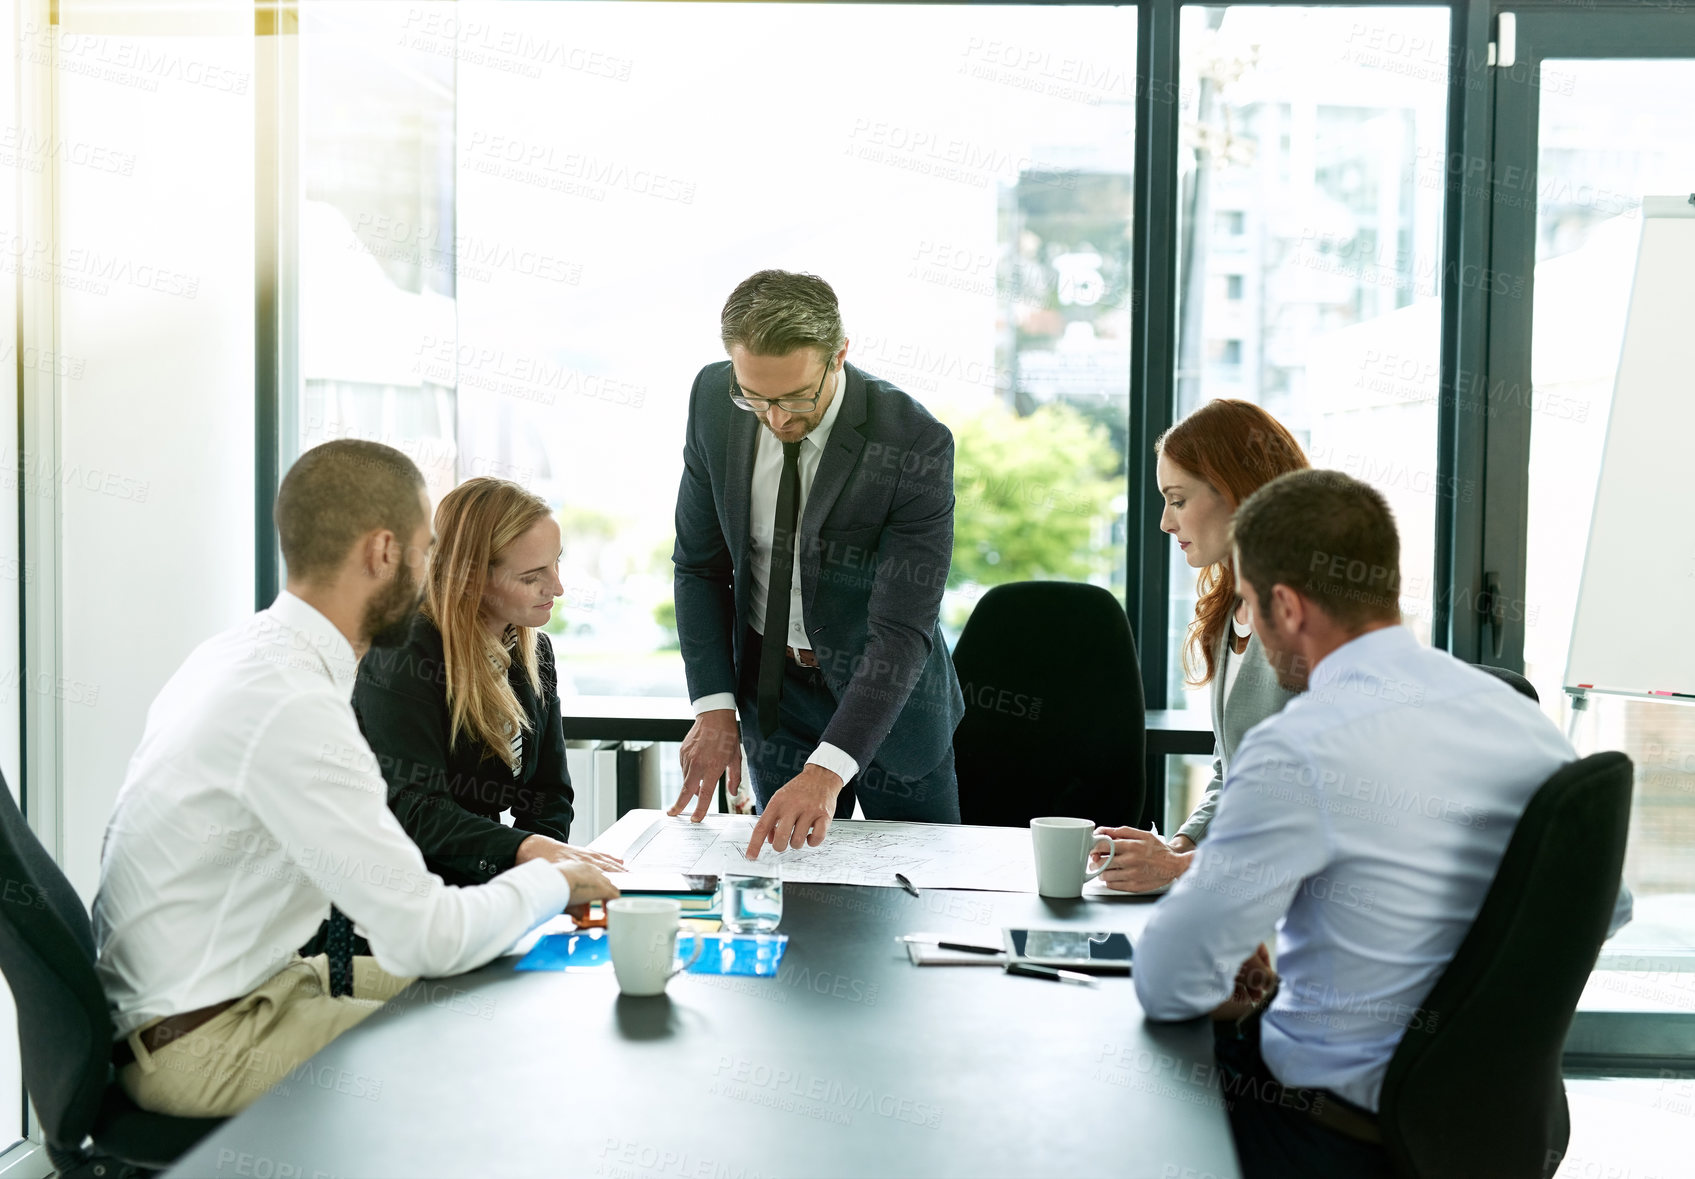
774, 649
338, 946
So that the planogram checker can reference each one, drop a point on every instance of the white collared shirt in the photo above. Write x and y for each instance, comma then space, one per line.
767, 474
1368, 817
253, 803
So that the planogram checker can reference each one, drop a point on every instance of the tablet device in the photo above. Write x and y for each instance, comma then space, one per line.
641, 883
1097, 950
695, 894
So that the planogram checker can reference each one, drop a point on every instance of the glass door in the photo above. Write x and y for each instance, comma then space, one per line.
1591, 116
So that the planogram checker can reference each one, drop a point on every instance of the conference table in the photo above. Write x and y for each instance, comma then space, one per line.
851, 1061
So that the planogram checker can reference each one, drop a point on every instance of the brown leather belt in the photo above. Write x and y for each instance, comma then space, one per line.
172, 1027
803, 656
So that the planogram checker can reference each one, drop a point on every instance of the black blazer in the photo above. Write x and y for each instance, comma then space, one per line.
876, 543
450, 803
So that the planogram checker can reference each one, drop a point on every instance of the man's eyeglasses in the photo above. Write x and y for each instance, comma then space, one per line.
787, 404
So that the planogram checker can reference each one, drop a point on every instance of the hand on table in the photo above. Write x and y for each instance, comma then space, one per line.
799, 814
1141, 860
712, 749
587, 884
1256, 982
540, 847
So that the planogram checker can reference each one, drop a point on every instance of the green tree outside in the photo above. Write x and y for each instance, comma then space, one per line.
1031, 494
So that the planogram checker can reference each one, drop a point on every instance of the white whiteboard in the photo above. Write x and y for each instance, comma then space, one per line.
1632, 633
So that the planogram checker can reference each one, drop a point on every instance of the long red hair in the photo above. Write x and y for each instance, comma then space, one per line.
1236, 447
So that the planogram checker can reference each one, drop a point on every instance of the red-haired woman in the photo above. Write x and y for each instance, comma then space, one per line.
1208, 463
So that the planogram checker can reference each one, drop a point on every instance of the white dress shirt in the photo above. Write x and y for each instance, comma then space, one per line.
1368, 817
767, 474
1231, 669
253, 803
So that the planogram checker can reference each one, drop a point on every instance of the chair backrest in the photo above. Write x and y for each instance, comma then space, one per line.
1054, 722
47, 955
1474, 1089
1512, 679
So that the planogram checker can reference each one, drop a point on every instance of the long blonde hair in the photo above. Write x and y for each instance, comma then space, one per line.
474, 523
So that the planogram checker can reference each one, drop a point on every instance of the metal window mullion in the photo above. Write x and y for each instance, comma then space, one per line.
1152, 334
276, 217
1153, 278
1461, 437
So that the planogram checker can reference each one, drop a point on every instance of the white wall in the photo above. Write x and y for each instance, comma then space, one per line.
156, 435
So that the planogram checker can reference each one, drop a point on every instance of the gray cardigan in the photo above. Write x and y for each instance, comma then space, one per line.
1255, 696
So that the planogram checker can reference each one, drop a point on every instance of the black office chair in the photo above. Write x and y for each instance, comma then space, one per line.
1512, 679
1054, 722
64, 1028
1474, 1089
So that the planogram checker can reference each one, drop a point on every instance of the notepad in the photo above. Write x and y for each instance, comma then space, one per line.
925, 954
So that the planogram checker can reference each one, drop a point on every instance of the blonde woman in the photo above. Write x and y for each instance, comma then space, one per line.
464, 717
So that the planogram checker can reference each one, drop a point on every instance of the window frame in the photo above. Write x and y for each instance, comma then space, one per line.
1479, 540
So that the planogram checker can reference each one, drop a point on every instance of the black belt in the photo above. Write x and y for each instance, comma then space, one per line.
1345, 1118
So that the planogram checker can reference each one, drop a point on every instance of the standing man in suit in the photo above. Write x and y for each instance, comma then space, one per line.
831, 652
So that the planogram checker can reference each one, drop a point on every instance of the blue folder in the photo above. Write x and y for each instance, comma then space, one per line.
756, 954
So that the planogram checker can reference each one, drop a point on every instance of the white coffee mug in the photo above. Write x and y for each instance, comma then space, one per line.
1062, 855
643, 936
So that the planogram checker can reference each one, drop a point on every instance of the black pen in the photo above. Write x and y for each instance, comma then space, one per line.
1049, 973
965, 947
906, 884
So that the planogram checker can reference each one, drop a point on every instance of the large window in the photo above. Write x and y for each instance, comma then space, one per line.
519, 222
963, 181
377, 248
1310, 254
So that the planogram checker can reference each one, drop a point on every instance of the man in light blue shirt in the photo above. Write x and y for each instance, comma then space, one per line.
1361, 826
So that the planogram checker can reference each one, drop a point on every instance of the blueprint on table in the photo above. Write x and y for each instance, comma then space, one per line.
931, 855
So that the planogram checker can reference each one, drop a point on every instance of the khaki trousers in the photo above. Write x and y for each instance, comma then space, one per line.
266, 1036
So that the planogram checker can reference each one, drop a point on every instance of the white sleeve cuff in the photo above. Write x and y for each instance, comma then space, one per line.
714, 701
835, 760
543, 886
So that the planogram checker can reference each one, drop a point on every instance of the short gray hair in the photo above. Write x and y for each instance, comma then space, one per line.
775, 312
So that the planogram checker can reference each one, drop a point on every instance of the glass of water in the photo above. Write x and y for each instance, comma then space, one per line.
753, 903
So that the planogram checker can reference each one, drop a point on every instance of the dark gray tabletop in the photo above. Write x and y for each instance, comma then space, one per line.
851, 1062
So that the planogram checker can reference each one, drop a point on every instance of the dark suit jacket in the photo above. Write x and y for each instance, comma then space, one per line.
875, 541
450, 802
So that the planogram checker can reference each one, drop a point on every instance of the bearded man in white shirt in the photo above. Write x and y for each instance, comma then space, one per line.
253, 803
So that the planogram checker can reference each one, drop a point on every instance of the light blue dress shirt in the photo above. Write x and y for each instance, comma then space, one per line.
1368, 817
